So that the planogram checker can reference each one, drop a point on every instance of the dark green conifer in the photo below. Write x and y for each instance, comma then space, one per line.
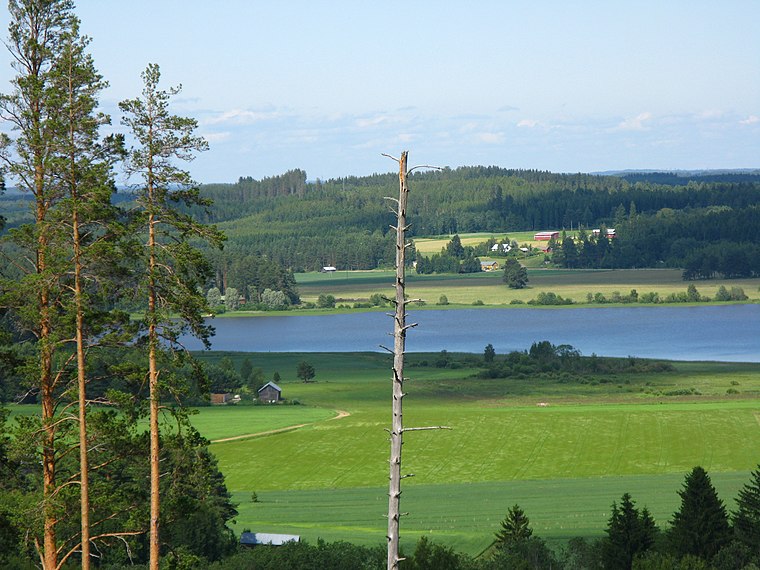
747, 516
700, 527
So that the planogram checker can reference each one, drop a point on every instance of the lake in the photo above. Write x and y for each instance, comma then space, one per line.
721, 333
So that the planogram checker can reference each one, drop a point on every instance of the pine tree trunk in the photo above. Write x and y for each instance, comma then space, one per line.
49, 554
84, 466
399, 343
155, 473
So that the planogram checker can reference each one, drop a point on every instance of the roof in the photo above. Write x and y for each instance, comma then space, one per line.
253, 538
271, 385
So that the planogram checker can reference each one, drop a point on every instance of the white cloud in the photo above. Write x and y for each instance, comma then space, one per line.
216, 137
527, 124
751, 120
371, 121
637, 123
491, 138
241, 117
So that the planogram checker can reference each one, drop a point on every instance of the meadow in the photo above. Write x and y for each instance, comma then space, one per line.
562, 450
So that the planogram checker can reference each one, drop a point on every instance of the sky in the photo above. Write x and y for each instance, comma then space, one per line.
329, 86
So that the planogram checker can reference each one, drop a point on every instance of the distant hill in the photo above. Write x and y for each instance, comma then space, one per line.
680, 177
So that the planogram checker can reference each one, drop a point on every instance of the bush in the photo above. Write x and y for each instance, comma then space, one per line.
549, 298
326, 301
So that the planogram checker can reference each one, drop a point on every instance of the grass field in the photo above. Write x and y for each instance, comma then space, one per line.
564, 462
351, 286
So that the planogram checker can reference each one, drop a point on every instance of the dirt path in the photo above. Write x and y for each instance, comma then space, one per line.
341, 414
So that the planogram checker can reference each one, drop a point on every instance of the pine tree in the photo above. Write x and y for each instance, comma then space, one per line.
700, 527
173, 268
36, 37
83, 166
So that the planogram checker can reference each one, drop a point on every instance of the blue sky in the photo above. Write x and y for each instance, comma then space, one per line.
327, 86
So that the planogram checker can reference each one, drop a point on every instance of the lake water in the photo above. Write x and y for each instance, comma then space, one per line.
723, 333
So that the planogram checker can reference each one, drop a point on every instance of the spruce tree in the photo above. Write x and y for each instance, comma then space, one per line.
628, 534
700, 527
746, 519
515, 528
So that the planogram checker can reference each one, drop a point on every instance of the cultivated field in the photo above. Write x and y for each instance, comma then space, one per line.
434, 244
564, 462
357, 286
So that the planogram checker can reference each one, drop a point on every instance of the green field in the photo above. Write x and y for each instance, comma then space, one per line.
465, 289
564, 461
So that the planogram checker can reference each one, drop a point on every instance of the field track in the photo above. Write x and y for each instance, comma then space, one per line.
341, 414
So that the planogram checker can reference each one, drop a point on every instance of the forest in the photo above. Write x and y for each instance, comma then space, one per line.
705, 223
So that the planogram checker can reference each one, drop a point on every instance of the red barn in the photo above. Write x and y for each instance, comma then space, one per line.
545, 236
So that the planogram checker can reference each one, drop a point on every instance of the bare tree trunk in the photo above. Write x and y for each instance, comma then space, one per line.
399, 344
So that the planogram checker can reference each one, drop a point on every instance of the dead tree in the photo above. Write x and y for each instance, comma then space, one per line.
399, 347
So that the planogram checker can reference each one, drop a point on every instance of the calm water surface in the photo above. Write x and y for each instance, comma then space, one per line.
725, 333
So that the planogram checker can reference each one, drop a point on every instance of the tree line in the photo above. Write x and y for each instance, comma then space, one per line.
704, 242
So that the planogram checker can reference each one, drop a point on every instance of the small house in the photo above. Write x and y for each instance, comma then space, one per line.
329, 269
266, 538
269, 393
489, 265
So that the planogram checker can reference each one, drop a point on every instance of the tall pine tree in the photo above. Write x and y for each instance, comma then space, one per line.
37, 33
172, 268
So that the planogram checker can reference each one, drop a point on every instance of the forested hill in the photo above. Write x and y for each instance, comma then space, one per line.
345, 222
